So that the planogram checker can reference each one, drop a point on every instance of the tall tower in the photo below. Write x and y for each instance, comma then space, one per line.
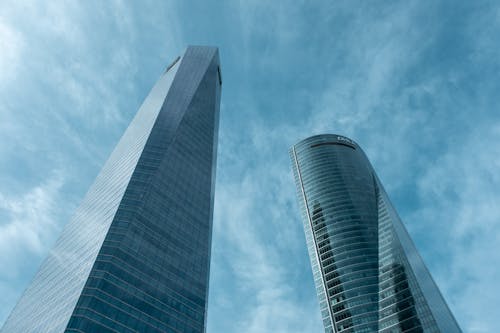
135, 257
368, 274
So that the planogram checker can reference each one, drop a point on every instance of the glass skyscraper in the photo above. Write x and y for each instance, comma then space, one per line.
368, 275
135, 257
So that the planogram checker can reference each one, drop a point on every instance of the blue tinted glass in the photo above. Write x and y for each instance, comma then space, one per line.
135, 258
368, 274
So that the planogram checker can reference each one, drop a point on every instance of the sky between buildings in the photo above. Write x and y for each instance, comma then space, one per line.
415, 83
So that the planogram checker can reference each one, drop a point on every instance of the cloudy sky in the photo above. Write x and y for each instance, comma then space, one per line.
415, 83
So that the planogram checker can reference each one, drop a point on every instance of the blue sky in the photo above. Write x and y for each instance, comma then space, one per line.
415, 83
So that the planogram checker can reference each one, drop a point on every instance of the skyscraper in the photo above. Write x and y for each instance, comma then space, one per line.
368, 274
135, 257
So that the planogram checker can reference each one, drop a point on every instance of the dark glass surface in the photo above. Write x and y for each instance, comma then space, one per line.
151, 274
368, 275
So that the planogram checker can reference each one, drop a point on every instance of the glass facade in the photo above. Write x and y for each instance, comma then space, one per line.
135, 257
368, 274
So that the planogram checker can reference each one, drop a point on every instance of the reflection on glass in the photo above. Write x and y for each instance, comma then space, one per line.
368, 275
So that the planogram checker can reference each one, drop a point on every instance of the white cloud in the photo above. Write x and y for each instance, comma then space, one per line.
250, 224
460, 193
30, 224
12, 45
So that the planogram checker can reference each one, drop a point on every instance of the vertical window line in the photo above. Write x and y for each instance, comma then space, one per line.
332, 319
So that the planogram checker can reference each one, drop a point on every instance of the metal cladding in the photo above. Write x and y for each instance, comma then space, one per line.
135, 257
368, 274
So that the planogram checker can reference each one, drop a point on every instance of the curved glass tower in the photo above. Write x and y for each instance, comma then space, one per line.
368, 274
